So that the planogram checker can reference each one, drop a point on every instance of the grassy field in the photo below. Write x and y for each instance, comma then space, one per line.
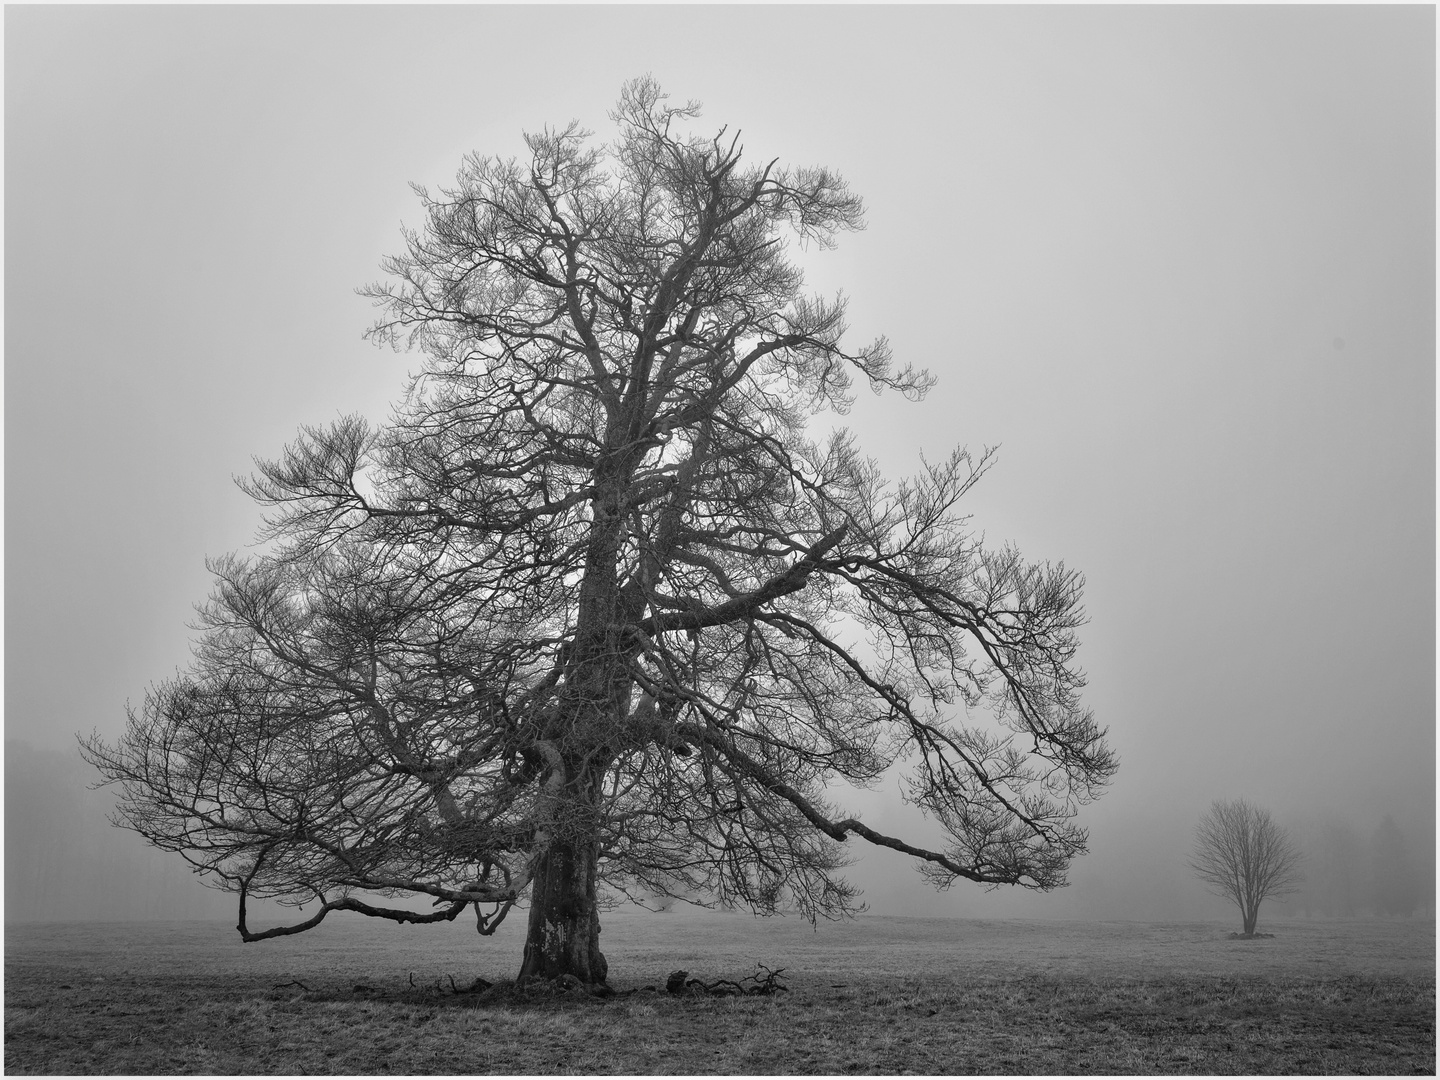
875, 995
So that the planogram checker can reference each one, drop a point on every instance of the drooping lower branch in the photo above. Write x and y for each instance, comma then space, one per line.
400, 915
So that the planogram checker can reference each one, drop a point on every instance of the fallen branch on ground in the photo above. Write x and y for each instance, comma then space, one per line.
765, 981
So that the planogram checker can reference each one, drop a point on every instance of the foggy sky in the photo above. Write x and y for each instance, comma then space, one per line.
1178, 263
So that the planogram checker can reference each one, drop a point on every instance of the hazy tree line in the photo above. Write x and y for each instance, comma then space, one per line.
1354, 871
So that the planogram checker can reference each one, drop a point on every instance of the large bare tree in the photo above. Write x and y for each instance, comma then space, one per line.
593, 614
1242, 855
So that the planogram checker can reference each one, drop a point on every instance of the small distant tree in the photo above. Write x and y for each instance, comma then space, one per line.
1242, 855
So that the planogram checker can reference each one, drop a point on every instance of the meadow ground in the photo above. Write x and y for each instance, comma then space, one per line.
871, 996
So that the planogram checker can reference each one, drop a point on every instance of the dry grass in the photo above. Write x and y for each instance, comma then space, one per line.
873, 996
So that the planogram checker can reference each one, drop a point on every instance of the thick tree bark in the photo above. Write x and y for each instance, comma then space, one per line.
564, 933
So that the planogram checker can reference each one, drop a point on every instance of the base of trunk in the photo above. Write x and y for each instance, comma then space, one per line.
564, 933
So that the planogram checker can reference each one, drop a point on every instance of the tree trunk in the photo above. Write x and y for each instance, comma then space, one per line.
1252, 916
564, 934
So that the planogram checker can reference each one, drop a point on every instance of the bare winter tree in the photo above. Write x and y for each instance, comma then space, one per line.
1242, 855
593, 609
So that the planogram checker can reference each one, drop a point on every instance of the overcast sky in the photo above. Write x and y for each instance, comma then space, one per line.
1177, 263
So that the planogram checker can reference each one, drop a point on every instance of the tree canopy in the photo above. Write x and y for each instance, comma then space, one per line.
594, 612
1242, 855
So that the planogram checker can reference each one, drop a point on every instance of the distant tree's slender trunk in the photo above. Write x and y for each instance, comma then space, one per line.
1252, 916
